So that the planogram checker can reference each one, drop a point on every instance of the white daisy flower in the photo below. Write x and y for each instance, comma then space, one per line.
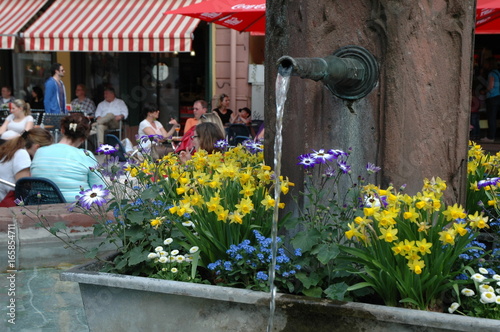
152, 255
468, 292
180, 259
497, 290
159, 248
486, 288
174, 270
454, 306
194, 249
478, 277
174, 252
171, 259
496, 277
168, 241
163, 253
163, 259
497, 301
482, 270
488, 297
188, 223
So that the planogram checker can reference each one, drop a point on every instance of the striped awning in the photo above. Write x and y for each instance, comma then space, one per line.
112, 26
14, 14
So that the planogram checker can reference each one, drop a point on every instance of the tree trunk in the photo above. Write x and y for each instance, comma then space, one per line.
415, 123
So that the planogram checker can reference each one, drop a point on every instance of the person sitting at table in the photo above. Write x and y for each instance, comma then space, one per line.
36, 98
187, 140
15, 160
64, 163
18, 121
204, 138
222, 109
199, 108
109, 113
82, 103
243, 116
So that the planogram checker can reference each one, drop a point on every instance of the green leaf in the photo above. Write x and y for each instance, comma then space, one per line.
306, 240
328, 252
57, 227
336, 291
313, 292
136, 256
136, 217
92, 253
308, 280
359, 285
150, 193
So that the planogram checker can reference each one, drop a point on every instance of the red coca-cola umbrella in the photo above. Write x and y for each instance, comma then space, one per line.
241, 15
487, 17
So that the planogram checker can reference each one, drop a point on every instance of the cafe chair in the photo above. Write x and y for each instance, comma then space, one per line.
36, 191
237, 133
115, 142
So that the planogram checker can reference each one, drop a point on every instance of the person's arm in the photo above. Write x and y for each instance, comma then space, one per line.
3, 128
29, 124
491, 82
50, 99
234, 117
24, 173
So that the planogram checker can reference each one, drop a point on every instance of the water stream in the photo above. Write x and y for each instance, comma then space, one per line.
282, 84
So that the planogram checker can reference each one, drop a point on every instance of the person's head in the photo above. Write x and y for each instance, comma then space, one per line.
57, 70
213, 118
109, 94
37, 92
6, 92
245, 112
75, 127
150, 110
80, 91
30, 140
205, 136
199, 108
20, 106
223, 101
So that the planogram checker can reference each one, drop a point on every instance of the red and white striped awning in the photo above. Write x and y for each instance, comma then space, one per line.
112, 26
14, 14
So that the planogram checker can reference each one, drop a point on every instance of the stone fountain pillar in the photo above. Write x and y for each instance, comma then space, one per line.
415, 123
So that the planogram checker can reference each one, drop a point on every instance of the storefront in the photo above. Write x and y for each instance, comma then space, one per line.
130, 45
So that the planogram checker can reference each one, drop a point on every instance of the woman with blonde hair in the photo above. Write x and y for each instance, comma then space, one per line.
15, 160
64, 163
215, 119
18, 121
222, 109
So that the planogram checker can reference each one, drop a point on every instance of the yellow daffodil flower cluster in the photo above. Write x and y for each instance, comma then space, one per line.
412, 226
225, 195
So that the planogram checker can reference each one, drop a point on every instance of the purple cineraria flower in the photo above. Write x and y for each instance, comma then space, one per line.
253, 147
97, 194
488, 182
106, 149
330, 172
336, 153
19, 202
344, 167
321, 156
221, 144
371, 168
306, 160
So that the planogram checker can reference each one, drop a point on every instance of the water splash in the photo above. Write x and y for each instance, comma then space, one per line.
282, 84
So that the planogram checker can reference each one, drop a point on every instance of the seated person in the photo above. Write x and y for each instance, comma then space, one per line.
199, 108
36, 98
15, 160
109, 113
204, 138
82, 103
187, 140
244, 116
64, 163
222, 109
18, 121
151, 126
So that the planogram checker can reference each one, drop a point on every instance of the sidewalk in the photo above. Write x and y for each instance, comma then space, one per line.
42, 302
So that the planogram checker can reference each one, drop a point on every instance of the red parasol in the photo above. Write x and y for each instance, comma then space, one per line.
241, 15
487, 14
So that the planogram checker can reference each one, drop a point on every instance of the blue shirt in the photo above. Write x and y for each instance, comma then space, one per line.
68, 167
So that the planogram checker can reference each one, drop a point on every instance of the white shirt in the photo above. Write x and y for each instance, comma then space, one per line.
8, 170
146, 124
16, 128
117, 107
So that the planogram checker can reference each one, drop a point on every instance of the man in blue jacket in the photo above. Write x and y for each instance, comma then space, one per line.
55, 94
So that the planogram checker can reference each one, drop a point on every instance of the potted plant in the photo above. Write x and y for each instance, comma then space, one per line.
184, 232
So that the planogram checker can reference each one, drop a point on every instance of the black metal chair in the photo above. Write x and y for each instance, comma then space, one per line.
36, 191
115, 141
237, 133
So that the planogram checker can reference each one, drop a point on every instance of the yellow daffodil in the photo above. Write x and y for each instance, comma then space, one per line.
388, 234
423, 246
416, 266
